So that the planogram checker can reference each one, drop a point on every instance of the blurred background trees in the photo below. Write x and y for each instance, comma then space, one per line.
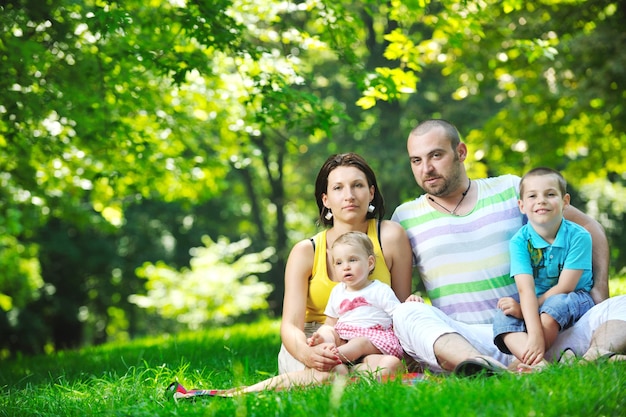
132, 132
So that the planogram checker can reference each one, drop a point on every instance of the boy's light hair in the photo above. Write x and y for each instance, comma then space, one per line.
544, 171
358, 240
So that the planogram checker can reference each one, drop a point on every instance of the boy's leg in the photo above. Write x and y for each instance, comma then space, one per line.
551, 329
561, 311
516, 342
601, 330
509, 335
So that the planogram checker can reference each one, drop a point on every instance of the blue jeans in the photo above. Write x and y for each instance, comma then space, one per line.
565, 309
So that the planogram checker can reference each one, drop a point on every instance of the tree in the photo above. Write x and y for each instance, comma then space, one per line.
172, 91
145, 126
553, 73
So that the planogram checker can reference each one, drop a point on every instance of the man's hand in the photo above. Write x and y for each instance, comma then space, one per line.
414, 298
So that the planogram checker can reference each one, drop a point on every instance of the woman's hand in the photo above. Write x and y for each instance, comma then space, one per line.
323, 357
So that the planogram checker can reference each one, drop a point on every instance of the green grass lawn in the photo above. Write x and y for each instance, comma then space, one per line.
130, 380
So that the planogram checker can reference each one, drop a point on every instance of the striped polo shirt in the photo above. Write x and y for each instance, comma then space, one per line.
464, 261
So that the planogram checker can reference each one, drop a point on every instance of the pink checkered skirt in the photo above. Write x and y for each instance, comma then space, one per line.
383, 338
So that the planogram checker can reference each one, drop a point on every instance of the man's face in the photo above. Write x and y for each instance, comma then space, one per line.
436, 166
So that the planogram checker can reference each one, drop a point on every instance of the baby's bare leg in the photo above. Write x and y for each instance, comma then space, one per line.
356, 348
551, 329
380, 365
325, 334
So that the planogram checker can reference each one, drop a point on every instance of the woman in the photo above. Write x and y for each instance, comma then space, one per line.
348, 199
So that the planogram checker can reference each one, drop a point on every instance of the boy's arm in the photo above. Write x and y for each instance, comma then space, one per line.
535, 346
568, 280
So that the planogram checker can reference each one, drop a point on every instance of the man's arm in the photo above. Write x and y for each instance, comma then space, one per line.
600, 252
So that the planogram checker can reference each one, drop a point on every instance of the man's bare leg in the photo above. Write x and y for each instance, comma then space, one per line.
451, 349
609, 337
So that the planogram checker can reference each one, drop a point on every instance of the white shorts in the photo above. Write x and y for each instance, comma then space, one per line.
286, 361
419, 325
579, 335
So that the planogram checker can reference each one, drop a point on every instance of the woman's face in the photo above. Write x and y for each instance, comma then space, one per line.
348, 194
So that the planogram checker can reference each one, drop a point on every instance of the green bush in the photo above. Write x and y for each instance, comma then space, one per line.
219, 287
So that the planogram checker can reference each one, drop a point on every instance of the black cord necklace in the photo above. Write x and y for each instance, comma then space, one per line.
453, 211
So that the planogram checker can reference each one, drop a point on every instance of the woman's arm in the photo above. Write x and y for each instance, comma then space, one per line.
398, 257
297, 274
600, 251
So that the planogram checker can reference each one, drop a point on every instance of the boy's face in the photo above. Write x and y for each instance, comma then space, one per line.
541, 200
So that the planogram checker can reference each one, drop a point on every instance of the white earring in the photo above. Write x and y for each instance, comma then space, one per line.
371, 208
329, 215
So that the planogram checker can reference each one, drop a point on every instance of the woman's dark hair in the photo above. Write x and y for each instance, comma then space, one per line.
347, 160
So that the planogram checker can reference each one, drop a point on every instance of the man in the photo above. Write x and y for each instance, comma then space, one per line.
460, 231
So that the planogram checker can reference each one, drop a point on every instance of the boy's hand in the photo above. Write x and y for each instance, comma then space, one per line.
535, 349
510, 307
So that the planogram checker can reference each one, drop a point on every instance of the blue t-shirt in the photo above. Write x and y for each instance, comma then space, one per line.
531, 254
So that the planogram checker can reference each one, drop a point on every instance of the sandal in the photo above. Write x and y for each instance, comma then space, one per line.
567, 357
478, 366
606, 357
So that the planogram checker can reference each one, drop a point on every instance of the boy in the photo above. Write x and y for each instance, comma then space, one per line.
551, 264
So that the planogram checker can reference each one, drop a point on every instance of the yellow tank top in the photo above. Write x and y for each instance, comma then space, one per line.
320, 283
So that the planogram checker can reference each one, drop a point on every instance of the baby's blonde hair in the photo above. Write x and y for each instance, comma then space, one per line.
358, 240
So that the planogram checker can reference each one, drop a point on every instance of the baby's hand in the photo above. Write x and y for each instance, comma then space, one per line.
414, 298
